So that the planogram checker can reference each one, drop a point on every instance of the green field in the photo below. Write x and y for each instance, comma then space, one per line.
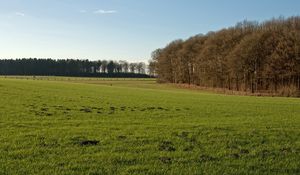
52, 125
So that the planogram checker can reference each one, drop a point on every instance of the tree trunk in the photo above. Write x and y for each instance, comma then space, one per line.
237, 83
298, 82
252, 85
245, 82
229, 83
275, 83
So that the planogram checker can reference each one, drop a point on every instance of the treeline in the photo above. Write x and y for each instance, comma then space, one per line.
71, 67
251, 56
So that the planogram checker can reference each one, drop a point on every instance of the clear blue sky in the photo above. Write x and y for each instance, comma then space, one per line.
119, 29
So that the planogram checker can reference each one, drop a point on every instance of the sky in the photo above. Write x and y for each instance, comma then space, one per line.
119, 29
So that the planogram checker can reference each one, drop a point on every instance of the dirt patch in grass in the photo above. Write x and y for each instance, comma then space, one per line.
244, 151
166, 160
121, 137
166, 146
44, 109
89, 142
82, 141
207, 158
150, 108
234, 156
188, 148
86, 110
43, 113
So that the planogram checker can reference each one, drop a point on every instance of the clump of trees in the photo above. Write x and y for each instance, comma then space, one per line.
251, 57
71, 67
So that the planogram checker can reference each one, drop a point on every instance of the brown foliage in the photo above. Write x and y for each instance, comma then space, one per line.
249, 57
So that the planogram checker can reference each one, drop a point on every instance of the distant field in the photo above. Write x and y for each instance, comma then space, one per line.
64, 125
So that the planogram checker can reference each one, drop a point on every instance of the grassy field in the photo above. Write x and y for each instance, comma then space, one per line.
55, 125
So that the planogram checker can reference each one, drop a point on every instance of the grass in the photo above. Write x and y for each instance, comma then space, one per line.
52, 125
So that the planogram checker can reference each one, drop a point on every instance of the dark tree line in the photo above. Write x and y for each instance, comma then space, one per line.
252, 56
71, 67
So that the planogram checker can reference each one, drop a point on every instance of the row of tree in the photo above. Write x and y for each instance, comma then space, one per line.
251, 56
71, 67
